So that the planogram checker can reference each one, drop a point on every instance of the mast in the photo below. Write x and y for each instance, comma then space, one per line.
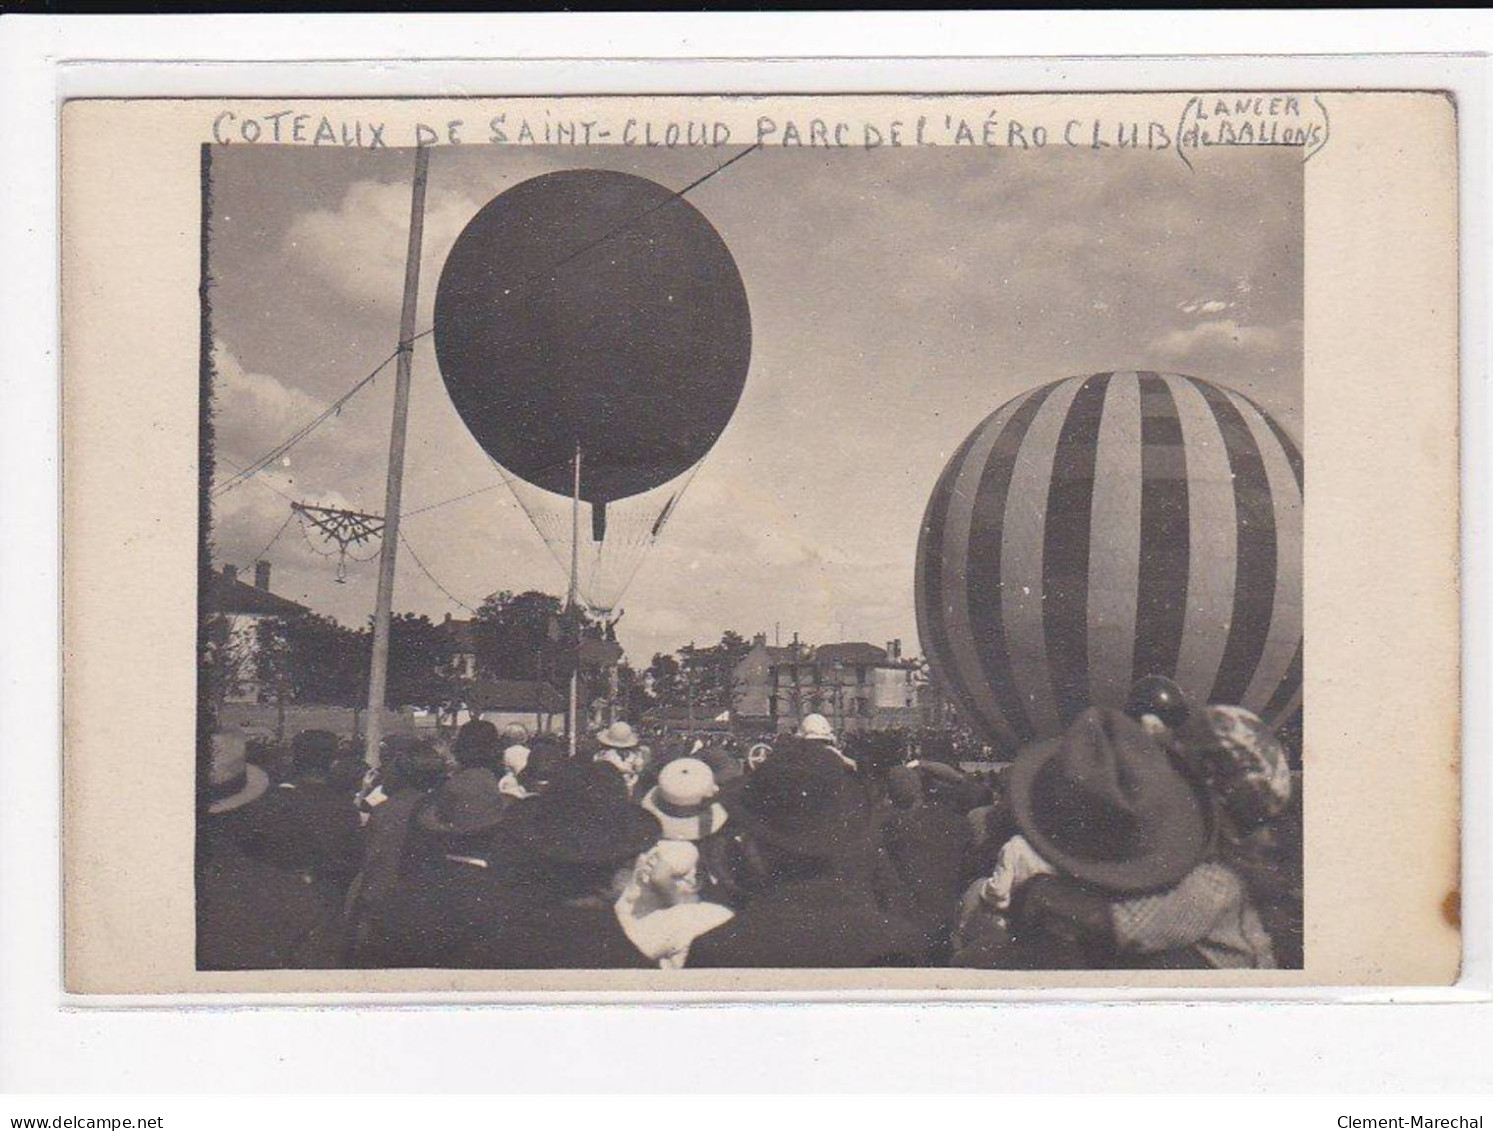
378, 674
571, 722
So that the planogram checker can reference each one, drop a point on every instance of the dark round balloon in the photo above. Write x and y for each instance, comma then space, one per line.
594, 308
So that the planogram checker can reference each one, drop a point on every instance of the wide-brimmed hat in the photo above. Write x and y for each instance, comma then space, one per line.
469, 802
233, 781
1105, 804
546, 759
414, 760
684, 800
904, 787
584, 817
619, 736
1241, 760
803, 800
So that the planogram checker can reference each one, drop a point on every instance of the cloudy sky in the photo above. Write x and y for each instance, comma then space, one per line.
897, 296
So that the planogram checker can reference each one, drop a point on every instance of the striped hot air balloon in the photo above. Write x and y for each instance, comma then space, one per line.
1098, 529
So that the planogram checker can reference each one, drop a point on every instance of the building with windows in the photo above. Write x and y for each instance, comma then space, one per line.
244, 607
463, 637
752, 682
856, 685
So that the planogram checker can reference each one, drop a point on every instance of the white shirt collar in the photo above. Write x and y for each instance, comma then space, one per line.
475, 861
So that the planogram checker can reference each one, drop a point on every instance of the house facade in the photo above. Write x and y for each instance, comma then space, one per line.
854, 684
463, 637
752, 682
245, 607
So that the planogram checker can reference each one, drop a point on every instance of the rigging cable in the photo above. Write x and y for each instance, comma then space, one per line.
453, 499
661, 521
268, 545
261, 482
301, 433
433, 579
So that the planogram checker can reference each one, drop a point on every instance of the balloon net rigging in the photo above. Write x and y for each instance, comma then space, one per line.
605, 567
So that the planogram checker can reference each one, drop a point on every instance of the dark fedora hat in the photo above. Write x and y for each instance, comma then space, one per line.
1105, 804
547, 758
469, 802
478, 744
803, 800
584, 817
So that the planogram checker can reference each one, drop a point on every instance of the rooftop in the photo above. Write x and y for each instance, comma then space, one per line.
463, 633
236, 598
850, 652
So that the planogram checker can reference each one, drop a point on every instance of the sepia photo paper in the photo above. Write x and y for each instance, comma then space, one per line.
771, 545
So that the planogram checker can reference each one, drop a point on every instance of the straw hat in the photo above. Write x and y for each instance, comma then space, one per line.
802, 800
618, 736
684, 800
233, 781
816, 728
1240, 758
515, 758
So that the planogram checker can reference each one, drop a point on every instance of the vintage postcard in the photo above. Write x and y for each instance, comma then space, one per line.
925, 544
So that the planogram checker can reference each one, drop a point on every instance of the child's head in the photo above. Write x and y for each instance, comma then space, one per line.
1237, 756
671, 871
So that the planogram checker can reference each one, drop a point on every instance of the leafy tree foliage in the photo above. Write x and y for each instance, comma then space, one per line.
700, 678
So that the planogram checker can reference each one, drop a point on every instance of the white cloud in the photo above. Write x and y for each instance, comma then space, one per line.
360, 246
1204, 306
255, 405
1213, 335
256, 412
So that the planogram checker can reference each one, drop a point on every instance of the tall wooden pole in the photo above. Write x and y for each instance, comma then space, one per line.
571, 722
378, 675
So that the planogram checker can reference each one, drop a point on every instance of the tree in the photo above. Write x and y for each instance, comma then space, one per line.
699, 679
309, 658
711, 672
274, 667
420, 669
328, 660
729, 653
227, 660
633, 697
665, 680
519, 636
306, 658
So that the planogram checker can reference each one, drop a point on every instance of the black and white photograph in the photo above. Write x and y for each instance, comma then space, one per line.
585, 555
689, 555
